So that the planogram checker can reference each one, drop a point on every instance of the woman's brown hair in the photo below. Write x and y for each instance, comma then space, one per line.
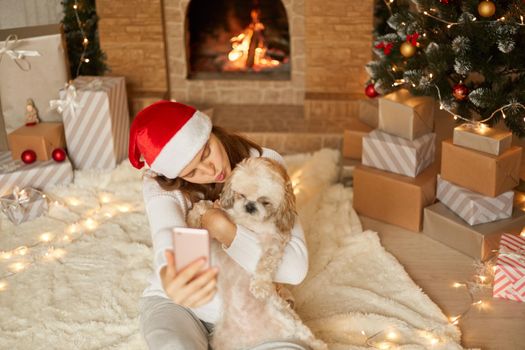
237, 148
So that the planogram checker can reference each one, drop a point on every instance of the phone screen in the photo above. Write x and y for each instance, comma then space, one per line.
190, 244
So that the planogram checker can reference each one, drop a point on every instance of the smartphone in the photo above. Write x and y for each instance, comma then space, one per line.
191, 244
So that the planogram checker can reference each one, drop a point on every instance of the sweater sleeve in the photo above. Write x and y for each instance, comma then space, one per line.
165, 210
246, 251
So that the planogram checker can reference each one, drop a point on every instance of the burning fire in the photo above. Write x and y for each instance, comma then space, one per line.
248, 48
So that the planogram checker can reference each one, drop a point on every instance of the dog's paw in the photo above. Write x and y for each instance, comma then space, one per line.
196, 213
261, 289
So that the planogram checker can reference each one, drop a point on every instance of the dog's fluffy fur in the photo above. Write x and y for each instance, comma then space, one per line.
259, 196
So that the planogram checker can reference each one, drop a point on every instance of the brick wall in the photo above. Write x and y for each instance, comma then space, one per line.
132, 36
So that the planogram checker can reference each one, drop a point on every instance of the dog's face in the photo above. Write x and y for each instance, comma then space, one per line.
260, 189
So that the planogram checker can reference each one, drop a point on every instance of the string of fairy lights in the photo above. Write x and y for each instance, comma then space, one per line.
53, 242
85, 41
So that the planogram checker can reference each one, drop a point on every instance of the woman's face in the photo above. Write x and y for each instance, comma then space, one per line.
210, 165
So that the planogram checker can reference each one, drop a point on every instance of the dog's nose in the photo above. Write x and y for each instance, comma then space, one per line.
250, 207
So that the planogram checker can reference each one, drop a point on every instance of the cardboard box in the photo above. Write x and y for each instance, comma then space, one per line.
473, 207
509, 273
480, 241
479, 171
42, 138
406, 116
398, 155
36, 77
482, 138
369, 112
393, 198
353, 138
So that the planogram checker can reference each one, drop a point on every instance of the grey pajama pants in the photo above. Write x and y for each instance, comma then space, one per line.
168, 326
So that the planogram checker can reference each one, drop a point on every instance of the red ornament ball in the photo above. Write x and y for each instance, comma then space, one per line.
460, 92
445, 2
59, 155
28, 156
370, 91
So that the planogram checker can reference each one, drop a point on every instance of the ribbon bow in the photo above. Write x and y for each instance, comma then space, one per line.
387, 47
20, 198
16, 55
412, 38
68, 103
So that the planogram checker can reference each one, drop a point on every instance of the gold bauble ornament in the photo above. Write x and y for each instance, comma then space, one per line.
407, 49
486, 8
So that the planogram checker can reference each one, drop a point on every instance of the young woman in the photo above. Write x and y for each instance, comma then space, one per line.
190, 160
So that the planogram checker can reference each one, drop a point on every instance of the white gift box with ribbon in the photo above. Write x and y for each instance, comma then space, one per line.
24, 205
96, 121
509, 274
33, 64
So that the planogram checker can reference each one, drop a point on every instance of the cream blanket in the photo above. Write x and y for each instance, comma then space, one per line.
87, 299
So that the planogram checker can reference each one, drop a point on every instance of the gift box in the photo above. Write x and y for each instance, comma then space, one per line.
96, 121
24, 205
482, 138
479, 171
398, 155
406, 116
509, 272
473, 207
39, 175
353, 138
3, 134
369, 112
393, 198
39, 75
479, 241
42, 138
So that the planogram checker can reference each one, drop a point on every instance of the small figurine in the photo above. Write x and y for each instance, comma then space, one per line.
31, 113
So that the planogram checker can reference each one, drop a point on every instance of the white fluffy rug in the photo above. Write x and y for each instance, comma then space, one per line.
87, 298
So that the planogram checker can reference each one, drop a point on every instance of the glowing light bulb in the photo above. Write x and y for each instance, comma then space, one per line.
434, 341
85, 41
18, 266
90, 224
482, 278
479, 302
522, 234
75, 6
455, 117
105, 198
22, 250
3, 285
123, 208
46, 237
457, 285
6, 255
73, 201
86, 60
384, 345
66, 238
392, 335
425, 13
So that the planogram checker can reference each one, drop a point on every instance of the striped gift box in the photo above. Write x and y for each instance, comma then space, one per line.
39, 175
398, 155
509, 276
21, 211
473, 207
98, 131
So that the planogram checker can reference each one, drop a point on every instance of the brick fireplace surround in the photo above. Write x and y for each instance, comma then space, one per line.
144, 40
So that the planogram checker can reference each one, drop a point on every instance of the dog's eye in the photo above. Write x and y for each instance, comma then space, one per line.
266, 203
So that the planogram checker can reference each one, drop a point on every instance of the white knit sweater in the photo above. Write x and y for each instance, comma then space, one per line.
168, 209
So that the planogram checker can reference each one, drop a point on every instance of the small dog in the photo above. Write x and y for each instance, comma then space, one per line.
259, 196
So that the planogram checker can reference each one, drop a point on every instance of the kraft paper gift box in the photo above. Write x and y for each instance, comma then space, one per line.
36, 77
473, 207
479, 171
482, 138
393, 198
24, 205
39, 175
398, 155
97, 130
479, 241
42, 138
353, 138
369, 112
406, 116
509, 272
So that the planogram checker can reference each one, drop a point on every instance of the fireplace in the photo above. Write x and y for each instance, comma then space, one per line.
238, 39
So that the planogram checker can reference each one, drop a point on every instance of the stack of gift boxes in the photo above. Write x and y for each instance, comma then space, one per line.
479, 171
88, 118
397, 178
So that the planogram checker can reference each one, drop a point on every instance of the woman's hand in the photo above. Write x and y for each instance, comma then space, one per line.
219, 225
189, 287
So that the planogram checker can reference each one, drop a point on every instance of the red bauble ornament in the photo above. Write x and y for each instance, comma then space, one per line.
445, 2
59, 155
370, 91
28, 156
460, 92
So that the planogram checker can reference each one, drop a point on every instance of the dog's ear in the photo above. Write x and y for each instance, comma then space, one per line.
285, 216
227, 195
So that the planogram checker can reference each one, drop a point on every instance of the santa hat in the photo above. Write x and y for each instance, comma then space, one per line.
168, 135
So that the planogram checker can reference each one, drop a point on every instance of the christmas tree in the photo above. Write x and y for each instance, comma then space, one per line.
80, 26
467, 54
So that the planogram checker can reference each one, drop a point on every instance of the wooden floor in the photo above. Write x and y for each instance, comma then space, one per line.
435, 267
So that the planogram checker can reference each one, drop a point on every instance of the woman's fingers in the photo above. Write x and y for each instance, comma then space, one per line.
170, 267
201, 293
206, 299
188, 273
186, 290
